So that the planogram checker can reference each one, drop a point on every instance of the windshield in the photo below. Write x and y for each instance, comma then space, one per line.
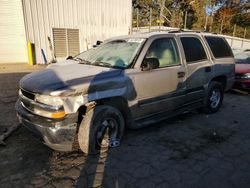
116, 54
242, 58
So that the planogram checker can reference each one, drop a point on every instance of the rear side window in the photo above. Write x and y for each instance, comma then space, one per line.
193, 49
219, 47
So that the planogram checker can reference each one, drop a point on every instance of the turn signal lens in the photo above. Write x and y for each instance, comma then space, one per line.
49, 114
58, 114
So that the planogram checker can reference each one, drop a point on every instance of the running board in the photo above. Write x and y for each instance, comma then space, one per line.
144, 122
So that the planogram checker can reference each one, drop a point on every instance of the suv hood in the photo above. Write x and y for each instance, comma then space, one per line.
66, 75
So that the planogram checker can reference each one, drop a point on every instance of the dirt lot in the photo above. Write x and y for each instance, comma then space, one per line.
192, 150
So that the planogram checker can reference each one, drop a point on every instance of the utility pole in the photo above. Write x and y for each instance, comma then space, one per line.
150, 19
180, 19
212, 19
233, 35
205, 26
137, 19
234, 30
221, 25
186, 13
132, 21
162, 5
185, 20
245, 32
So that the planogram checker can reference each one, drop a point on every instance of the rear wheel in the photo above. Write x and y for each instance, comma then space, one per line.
101, 128
213, 98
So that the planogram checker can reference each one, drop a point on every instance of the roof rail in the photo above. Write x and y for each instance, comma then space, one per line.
176, 31
187, 31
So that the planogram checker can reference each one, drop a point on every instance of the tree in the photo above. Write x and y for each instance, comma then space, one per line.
199, 8
242, 20
143, 8
233, 15
224, 16
213, 15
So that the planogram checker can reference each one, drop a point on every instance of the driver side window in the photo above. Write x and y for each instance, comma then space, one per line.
165, 50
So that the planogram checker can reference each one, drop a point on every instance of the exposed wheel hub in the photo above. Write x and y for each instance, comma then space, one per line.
107, 133
215, 98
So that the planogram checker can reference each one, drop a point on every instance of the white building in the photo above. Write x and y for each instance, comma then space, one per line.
72, 25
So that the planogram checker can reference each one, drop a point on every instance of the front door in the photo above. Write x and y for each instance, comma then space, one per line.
161, 89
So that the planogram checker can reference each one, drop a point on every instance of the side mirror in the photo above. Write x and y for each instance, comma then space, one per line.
69, 57
98, 42
150, 63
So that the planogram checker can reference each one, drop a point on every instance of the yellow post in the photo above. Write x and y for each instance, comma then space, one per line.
30, 53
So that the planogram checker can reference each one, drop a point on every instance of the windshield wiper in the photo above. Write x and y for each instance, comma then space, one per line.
82, 61
105, 64
102, 64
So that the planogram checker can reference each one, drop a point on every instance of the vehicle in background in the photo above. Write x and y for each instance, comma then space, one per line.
242, 70
239, 50
127, 82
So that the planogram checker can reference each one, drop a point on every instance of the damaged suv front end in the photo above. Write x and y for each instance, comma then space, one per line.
49, 100
45, 116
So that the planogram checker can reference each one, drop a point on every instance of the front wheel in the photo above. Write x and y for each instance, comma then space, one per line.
101, 125
213, 98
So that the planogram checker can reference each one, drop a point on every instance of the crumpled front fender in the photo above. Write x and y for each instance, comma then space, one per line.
72, 103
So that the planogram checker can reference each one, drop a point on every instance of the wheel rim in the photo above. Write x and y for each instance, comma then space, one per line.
103, 135
215, 98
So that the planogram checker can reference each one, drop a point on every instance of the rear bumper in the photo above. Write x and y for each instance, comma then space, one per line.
57, 134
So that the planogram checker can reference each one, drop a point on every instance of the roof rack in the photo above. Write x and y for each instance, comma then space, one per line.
188, 31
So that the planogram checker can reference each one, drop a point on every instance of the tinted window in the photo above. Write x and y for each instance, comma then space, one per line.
193, 49
219, 47
165, 51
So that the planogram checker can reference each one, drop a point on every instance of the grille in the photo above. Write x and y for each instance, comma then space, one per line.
238, 76
28, 94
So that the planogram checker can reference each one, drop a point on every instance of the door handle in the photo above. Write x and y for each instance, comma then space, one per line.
181, 74
208, 69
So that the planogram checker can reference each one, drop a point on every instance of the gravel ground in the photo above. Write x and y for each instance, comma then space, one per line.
191, 150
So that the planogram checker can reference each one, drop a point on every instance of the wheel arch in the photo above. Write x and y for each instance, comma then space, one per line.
118, 102
222, 79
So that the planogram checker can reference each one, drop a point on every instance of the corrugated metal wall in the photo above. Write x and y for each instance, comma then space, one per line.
13, 46
95, 19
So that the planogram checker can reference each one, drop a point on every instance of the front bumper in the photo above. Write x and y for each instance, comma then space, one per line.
242, 84
58, 134
230, 83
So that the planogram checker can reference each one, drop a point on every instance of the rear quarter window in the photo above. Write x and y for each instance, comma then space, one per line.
219, 47
193, 49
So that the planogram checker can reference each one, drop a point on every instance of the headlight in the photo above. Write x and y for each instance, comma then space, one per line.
245, 76
49, 100
54, 111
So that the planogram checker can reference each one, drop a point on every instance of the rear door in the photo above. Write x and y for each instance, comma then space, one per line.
199, 67
222, 57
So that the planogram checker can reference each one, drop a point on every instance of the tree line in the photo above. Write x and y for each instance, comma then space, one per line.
230, 17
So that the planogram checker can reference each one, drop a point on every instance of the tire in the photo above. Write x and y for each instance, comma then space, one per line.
213, 98
99, 125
